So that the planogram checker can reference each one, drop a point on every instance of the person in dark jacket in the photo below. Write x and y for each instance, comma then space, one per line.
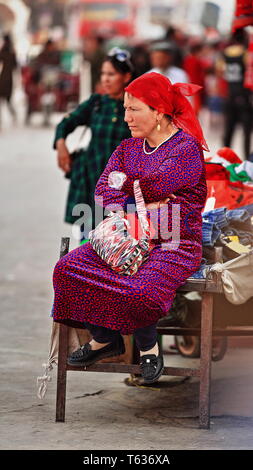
238, 105
8, 63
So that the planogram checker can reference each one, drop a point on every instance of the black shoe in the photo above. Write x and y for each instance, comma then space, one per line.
85, 356
151, 367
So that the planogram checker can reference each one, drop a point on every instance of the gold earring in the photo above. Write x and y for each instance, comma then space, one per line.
158, 127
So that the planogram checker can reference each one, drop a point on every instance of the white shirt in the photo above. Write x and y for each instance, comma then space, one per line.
175, 74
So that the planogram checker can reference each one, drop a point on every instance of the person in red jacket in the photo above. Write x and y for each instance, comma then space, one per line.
195, 69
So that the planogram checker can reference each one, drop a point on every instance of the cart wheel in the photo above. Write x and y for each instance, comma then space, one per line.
220, 344
188, 346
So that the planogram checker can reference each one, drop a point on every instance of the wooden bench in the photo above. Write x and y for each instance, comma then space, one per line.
207, 289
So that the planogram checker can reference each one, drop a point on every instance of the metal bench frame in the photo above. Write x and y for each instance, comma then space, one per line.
207, 288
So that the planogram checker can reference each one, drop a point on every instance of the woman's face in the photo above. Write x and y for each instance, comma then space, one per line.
140, 118
112, 81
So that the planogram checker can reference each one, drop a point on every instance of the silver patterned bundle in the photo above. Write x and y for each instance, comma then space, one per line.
113, 242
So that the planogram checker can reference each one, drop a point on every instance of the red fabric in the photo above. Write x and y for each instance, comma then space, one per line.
248, 79
195, 69
227, 194
242, 22
228, 154
243, 13
244, 7
215, 171
157, 91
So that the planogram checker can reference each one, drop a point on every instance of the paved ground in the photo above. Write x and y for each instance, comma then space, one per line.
102, 412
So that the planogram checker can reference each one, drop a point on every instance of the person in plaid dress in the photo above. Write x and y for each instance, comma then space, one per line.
104, 115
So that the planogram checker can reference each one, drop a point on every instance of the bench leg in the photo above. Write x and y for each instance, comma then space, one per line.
205, 360
62, 373
62, 354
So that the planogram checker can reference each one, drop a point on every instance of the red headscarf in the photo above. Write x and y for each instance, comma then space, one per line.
157, 91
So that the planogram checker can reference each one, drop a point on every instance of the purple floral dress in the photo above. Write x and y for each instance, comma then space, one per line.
86, 288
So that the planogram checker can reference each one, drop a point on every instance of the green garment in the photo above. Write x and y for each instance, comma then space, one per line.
105, 117
241, 176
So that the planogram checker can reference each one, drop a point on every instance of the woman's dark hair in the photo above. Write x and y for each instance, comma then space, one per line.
240, 36
121, 67
120, 60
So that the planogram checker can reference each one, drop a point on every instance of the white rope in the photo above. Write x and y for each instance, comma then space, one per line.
42, 381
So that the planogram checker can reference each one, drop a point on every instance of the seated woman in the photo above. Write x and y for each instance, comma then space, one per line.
165, 154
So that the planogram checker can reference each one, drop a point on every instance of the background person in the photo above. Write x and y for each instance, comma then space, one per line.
195, 69
8, 64
238, 107
94, 52
104, 115
162, 61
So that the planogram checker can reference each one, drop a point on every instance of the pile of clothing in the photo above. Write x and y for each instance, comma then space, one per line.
231, 229
229, 179
227, 221
230, 222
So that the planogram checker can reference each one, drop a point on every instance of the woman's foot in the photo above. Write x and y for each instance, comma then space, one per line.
151, 365
91, 352
154, 350
95, 345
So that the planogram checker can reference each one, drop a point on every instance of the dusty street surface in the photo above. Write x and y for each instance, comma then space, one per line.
101, 412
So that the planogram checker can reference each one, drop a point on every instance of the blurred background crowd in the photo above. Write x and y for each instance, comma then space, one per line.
54, 50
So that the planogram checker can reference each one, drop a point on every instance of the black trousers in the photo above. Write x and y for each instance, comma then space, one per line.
238, 109
145, 338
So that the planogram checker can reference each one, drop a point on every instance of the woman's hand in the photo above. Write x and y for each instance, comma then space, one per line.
161, 203
63, 156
